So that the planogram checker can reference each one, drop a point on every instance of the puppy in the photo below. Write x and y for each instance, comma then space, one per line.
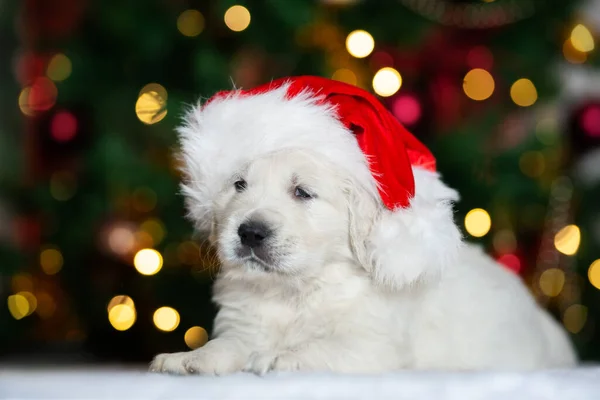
299, 291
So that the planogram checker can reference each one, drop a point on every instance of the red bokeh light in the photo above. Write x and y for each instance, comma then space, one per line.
42, 95
63, 126
407, 109
510, 261
590, 120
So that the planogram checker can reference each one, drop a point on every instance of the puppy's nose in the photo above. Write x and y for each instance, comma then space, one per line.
253, 233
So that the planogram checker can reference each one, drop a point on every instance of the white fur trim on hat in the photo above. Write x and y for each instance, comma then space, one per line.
402, 247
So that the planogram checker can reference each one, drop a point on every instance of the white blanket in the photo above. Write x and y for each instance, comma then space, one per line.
118, 383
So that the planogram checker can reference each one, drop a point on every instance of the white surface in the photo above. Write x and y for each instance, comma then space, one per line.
86, 383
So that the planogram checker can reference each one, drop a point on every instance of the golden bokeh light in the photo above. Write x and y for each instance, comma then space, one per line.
190, 23
478, 84
18, 306
24, 102
387, 81
51, 261
552, 282
532, 163
594, 273
237, 18
155, 229
573, 55
523, 93
582, 39
46, 305
122, 316
148, 261
59, 68
22, 282
478, 222
151, 105
575, 317
120, 299
166, 319
360, 43
345, 75
195, 337
567, 240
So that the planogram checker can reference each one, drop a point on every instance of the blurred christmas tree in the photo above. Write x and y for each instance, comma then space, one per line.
93, 241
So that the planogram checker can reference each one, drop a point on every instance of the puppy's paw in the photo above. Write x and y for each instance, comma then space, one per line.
263, 362
203, 361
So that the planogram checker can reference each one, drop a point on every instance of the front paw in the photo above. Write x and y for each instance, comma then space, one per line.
263, 362
201, 361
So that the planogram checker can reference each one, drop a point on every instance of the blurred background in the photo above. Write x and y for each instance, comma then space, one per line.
97, 262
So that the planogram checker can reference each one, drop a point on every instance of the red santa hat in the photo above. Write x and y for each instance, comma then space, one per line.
412, 237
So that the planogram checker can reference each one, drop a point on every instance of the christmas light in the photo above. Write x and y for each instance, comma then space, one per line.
120, 299
594, 273
590, 120
575, 317
387, 81
552, 282
59, 68
51, 261
345, 75
510, 261
63, 126
478, 84
523, 93
582, 39
478, 222
573, 55
166, 319
155, 229
567, 240
190, 23
360, 43
122, 316
195, 337
121, 239
31, 300
18, 306
40, 96
21, 282
148, 261
407, 109
46, 305
151, 106
237, 18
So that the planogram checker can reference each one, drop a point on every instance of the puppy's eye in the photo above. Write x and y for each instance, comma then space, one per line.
302, 194
240, 185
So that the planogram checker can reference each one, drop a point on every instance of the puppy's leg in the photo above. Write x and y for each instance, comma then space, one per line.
217, 357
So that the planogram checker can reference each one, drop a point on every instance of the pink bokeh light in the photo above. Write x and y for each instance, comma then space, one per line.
407, 109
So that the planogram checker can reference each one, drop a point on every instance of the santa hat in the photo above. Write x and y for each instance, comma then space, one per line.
412, 236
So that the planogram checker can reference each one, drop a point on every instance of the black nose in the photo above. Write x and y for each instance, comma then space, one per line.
253, 233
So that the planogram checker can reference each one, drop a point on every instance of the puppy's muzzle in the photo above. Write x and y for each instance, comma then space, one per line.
253, 234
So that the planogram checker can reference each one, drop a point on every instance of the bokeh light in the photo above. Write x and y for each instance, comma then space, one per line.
510, 261
594, 273
46, 305
190, 23
63, 185
360, 43
120, 299
59, 68
407, 109
478, 84
51, 261
122, 316
166, 319
387, 81
155, 229
567, 240
121, 239
575, 317
31, 300
552, 282
582, 39
532, 163
345, 75
523, 93
40, 96
148, 261
237, 18
18, 306
195, 337
478, 222
151, 105
590, 120
573, 55
63, 126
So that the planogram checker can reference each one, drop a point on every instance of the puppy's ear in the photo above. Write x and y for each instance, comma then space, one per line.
407, 246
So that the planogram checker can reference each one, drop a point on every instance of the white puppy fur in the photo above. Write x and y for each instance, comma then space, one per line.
312, 298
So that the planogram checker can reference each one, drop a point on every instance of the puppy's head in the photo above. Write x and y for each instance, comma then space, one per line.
284, 213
